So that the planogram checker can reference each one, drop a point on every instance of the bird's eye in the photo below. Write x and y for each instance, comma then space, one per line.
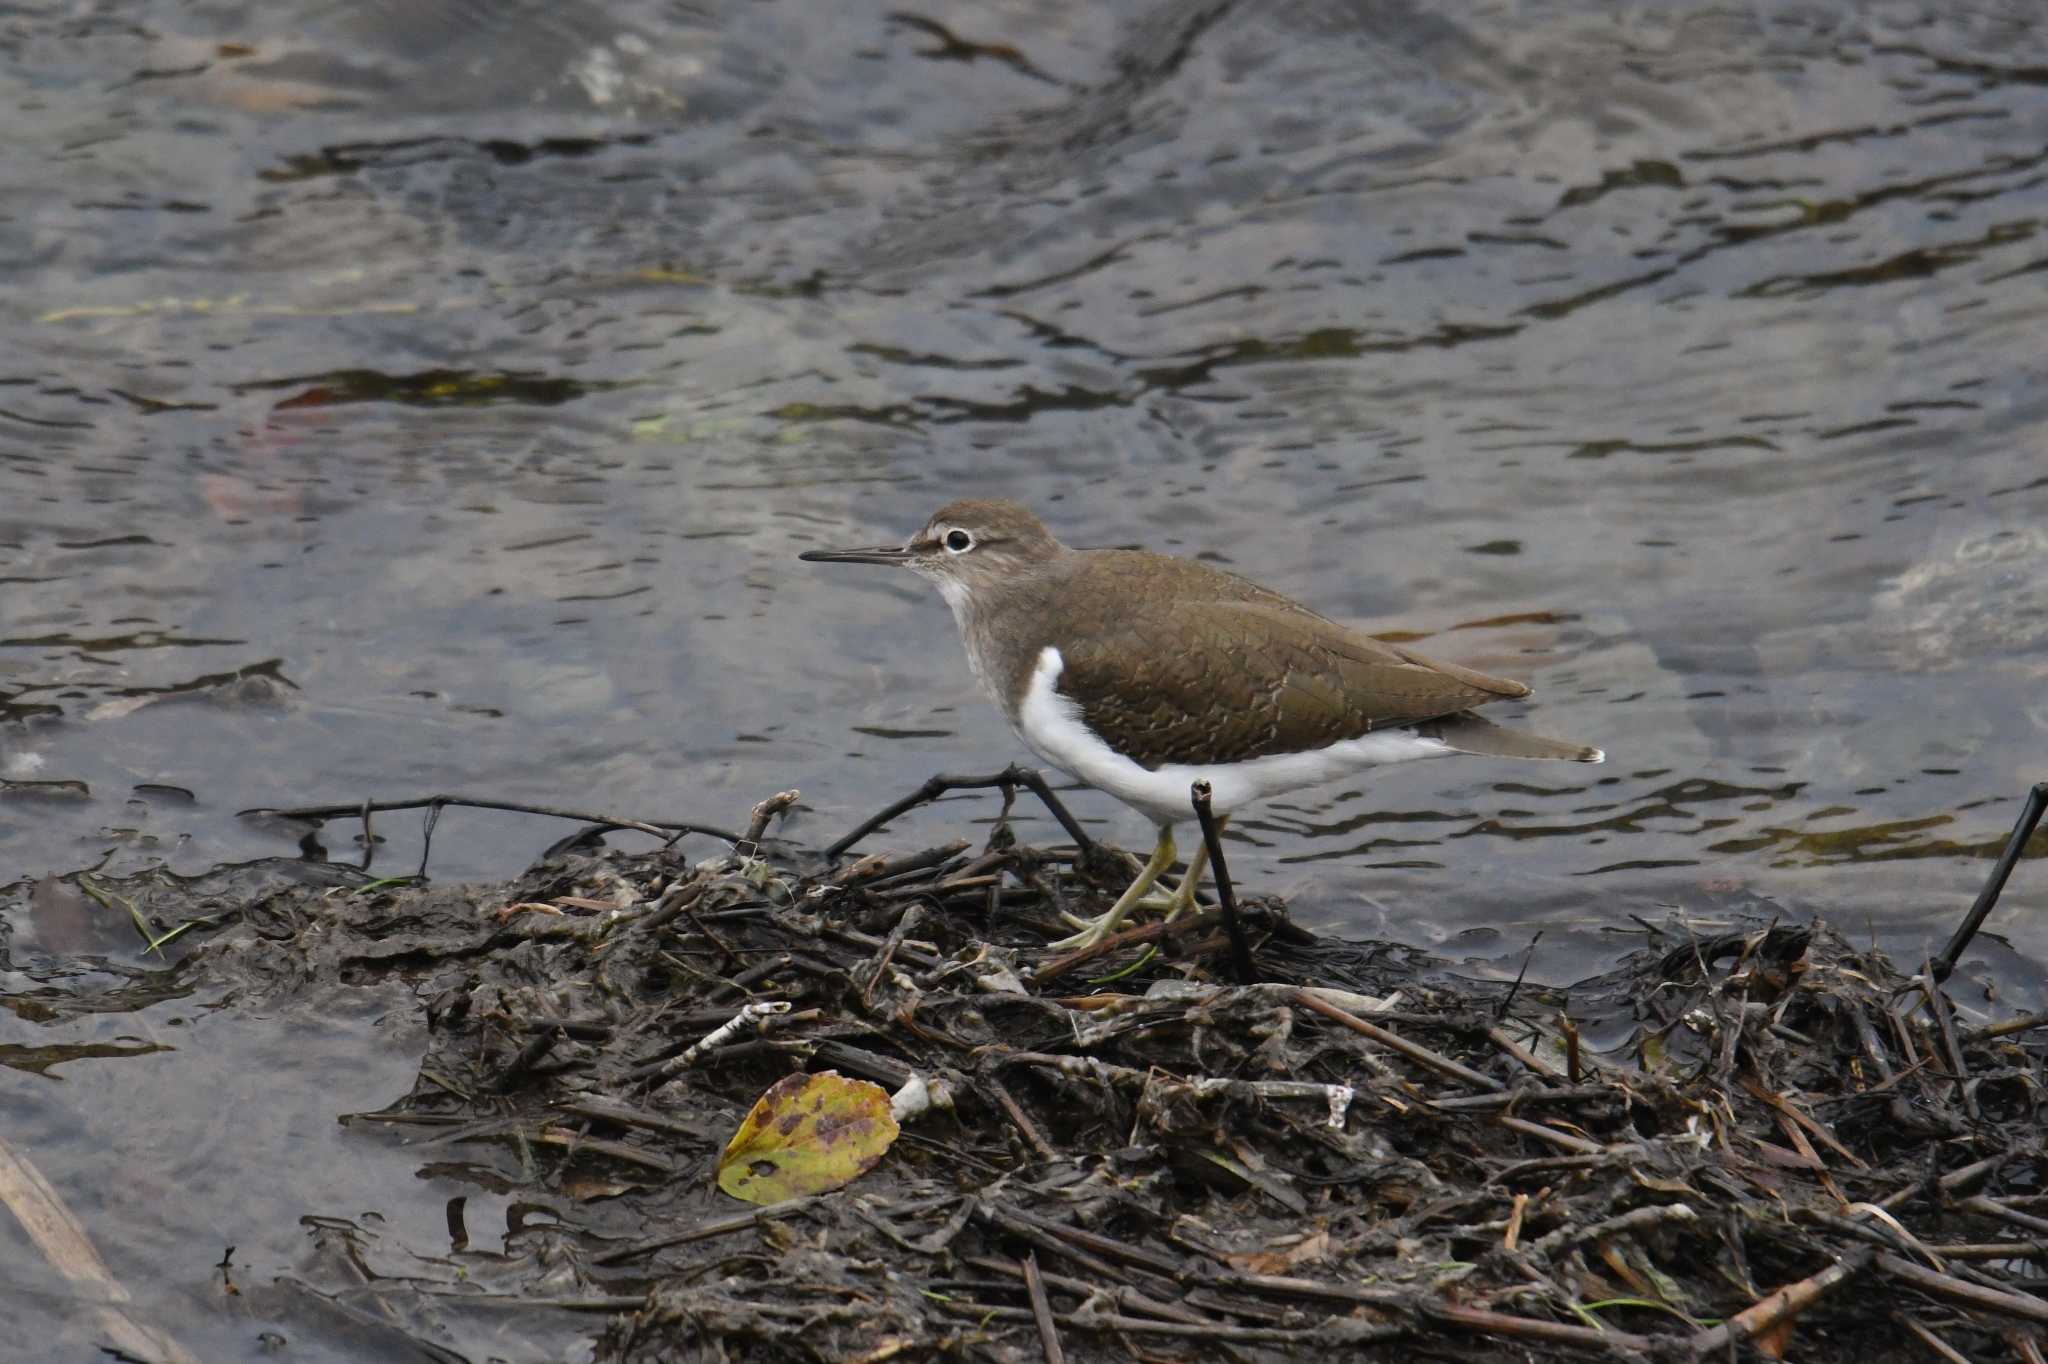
959, 541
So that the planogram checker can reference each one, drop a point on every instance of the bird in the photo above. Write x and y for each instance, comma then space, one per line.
1137, 673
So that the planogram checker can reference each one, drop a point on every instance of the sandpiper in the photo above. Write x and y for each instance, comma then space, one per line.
1137, 673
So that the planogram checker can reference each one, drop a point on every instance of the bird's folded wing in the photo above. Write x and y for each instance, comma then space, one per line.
1228, 681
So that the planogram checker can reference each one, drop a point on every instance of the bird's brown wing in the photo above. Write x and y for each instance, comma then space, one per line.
1226, 681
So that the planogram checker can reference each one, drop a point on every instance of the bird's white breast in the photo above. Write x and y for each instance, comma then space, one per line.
957, 596
1051, 724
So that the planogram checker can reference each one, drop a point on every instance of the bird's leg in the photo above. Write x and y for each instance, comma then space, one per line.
1182, 901
1175, 901
1094, 931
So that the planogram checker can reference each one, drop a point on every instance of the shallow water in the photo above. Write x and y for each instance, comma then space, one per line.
398, 399
196, 1169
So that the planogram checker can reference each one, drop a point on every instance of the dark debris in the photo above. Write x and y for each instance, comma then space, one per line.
1796, 1149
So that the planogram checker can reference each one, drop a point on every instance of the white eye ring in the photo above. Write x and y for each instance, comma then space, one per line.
958, 541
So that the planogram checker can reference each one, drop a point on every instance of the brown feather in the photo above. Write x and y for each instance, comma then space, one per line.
1226, 670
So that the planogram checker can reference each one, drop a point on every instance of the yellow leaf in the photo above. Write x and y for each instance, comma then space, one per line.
807, 1134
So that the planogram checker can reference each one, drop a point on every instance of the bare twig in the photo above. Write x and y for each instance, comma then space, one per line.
1955, 1181
1991, 1207
1155, 931
757, 1217
1499, 1037
1777, 1308
1018, 1117
1947, 1286
934, 787
1415, 1052
1041, 1311
1945, 1029
2011, 1026
1987, 898
1334, 1333
1533, 1328
764, 814
1635, 1219
875, 869
433, 805
1124, 1296
1551, 1135
1212, 837
1942, 1350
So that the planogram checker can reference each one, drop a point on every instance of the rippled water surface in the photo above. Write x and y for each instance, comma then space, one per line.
404, 398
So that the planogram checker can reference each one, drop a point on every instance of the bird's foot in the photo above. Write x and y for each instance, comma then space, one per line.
1172, 904
1164, 902
1142, 894
1092, 932
1182, 901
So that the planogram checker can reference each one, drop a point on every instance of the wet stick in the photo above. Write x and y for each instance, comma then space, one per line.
1994, 884
934, 787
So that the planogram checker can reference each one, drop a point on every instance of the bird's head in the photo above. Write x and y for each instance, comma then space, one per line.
965, 546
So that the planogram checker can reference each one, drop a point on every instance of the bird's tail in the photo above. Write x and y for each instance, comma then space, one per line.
1467, 733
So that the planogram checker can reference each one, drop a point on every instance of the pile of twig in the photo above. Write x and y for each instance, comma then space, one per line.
1793, 1148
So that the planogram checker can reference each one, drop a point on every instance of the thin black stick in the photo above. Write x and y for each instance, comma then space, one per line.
529, 1056
658, 829
2022, 830
1507, 1000
1240, 950
426, 833
1010, 777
